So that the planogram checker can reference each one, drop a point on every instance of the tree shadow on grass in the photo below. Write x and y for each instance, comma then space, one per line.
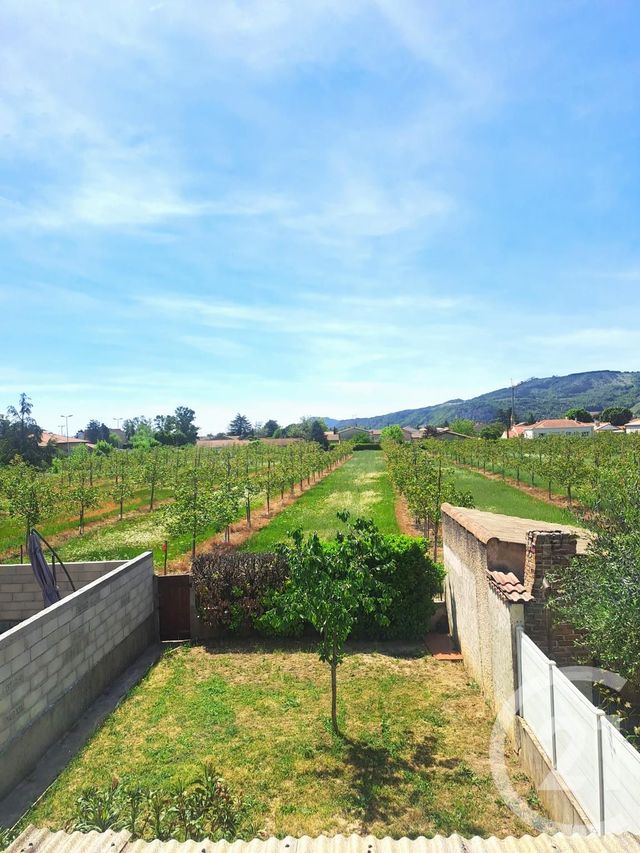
376, 771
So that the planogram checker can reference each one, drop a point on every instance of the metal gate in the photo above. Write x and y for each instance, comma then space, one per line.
174, 606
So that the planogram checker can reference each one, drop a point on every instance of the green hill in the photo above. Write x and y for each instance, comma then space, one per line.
545, 398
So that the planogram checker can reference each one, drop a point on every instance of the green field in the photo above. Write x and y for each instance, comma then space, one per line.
361, 485
414, 759
495, 496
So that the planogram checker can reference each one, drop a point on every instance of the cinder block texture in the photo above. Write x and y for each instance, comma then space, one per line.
54, 664
20, 595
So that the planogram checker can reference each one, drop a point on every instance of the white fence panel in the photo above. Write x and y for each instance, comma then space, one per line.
621, 770
577, 745
535, 692
595, 761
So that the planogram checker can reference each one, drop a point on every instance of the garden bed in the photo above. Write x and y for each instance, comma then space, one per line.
414, 759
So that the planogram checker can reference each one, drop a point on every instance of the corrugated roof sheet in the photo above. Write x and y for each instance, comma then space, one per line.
34, 840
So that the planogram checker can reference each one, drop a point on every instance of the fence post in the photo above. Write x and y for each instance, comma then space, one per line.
552, 707
600, 716
519, 686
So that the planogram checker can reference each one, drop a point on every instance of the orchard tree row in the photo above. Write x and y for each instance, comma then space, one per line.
200, 484
426, 481
585, 468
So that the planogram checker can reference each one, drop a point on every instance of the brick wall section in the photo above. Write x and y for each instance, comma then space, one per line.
20, 594
73, 645
546, 550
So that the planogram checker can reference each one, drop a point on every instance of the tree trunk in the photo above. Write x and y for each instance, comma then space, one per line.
334, 693
153, 493
435, 540
81, 520
121, 508
248, 513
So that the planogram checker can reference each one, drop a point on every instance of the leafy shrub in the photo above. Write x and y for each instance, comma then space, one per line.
205, 808
233, 590
413, 580
366, 445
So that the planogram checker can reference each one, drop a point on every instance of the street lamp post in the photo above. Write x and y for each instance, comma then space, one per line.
66, 418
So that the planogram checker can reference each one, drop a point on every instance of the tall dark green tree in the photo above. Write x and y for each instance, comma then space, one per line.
269, 428
20, 435
240, 426
317, 435
580, 415
185, 418
616, 415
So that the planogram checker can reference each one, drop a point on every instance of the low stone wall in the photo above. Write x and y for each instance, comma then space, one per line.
55, 663
21, 596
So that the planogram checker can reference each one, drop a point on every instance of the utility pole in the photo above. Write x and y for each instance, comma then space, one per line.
118, 420
66, 418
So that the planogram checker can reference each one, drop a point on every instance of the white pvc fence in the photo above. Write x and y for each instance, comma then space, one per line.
595, 761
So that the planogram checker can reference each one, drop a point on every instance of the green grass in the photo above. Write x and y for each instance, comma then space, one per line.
414, 759
361, 485
495, 496
12, 532
123, 540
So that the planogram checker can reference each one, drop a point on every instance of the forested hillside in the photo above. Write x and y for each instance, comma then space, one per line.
544, 398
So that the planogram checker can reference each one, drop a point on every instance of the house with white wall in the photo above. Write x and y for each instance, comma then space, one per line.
559, 426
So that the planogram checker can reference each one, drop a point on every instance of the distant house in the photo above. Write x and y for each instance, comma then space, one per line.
446, 434
633, 426
515, 431
606, 427
234, 441
62, 443
347, 433
559, 426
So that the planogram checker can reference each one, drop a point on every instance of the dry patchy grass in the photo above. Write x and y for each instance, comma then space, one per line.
414, 759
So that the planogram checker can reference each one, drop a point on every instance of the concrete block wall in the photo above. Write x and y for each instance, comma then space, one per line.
54, 664
20, 595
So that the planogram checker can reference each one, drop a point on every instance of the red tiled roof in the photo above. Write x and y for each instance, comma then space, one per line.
558, 423
59, 439
508, 586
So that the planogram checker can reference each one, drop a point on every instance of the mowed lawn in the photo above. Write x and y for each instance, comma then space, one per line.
361, 486
414, 759
494, 496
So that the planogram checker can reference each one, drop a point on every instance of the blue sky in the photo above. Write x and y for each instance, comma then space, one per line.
297, 207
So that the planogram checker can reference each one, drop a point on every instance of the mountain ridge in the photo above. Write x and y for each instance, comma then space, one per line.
546, 397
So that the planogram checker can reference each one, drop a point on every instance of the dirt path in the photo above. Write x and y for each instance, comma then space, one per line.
407, 524
240, 532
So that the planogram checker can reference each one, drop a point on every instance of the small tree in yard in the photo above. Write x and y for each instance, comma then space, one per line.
329, 584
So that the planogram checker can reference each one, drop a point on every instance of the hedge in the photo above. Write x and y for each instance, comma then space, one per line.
367, 446
234, 590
